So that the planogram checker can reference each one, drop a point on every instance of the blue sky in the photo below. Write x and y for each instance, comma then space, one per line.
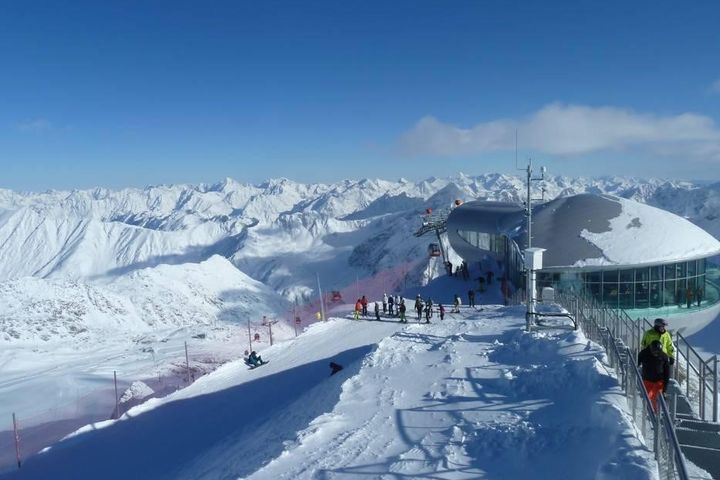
135, 93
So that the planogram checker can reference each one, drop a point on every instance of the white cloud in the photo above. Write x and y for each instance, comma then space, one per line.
34, 125
715, 86
568, 130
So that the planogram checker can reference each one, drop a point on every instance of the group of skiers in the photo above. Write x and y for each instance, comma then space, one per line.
394, 306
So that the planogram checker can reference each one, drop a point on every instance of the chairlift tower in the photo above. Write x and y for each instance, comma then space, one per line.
435, 222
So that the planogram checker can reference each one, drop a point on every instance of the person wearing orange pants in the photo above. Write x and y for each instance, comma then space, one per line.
654, 389
655, 370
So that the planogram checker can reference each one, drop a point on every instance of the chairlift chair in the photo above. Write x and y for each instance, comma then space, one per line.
434, 250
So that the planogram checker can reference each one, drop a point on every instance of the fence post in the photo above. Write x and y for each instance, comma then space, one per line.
117, 402
17, 441
187, 364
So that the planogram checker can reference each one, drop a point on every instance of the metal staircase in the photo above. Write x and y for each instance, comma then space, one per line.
684, 427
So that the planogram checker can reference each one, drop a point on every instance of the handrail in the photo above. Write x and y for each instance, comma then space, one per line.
612, 330
663, 419
698, 376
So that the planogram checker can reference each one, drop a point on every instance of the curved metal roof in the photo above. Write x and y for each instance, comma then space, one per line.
587, 231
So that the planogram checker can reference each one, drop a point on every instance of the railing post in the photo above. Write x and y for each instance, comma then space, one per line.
715, 387
687, 370
702, 390
642, 409
656, 436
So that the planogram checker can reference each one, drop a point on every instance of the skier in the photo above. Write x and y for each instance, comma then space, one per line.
377, 311
391, 302
358, 309
689, 297
401, 312
397, 302
428, 311
442, 312
659, 332
456, 304
471, 297
254, 360
364, 302
655, 370
418, 306
385, 303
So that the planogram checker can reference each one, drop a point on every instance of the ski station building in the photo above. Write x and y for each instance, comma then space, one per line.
628, 255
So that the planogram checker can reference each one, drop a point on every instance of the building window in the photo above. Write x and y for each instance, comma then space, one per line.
669, 296
669, 272
627, 295
610, 276
610, 294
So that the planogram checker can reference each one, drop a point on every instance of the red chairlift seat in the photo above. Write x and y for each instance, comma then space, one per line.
434, 250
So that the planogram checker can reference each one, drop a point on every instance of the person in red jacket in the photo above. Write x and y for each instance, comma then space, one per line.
364, 302
358, 309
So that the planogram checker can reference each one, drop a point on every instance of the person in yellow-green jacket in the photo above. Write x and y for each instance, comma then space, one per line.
659, 332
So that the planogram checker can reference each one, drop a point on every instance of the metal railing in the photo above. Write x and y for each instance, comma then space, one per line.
611, 330
697, 377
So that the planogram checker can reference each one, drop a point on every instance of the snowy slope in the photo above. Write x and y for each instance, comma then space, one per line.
63, 339
37, 311
472, 397
101, 280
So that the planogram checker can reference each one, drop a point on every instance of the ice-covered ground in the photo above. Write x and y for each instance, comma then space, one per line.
470, 397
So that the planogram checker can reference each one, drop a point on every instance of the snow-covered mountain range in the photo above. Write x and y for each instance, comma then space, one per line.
134, 256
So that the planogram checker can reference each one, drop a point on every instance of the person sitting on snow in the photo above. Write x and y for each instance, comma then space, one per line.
254, 360
335, 367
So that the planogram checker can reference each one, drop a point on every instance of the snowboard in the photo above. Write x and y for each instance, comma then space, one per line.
253, 367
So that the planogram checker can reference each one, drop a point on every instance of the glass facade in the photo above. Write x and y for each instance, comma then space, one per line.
485, 241
680, 284
502, 249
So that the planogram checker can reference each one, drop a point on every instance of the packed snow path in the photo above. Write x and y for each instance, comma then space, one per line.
471, 397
